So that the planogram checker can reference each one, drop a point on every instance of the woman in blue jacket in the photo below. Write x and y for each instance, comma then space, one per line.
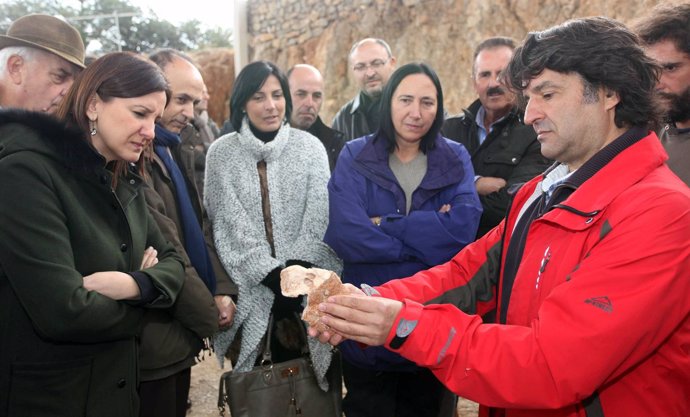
401, 200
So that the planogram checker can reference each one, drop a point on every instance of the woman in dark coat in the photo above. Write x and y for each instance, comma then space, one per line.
78, 266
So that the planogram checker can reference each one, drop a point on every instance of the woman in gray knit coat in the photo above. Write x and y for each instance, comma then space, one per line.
266, 194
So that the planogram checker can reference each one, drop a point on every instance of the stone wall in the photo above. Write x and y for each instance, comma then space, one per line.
442, 33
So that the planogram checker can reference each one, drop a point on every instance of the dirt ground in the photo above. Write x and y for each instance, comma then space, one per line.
204, 391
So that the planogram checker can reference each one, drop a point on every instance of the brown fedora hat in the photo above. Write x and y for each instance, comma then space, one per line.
48, 33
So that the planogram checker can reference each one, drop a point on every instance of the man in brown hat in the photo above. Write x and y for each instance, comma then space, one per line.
39, 57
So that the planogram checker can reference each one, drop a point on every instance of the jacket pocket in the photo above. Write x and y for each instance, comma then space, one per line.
42, 389
502, 158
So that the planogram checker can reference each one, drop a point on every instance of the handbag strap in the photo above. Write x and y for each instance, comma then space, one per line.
222, 397
266, 355
305, 346
266, 204
268, 228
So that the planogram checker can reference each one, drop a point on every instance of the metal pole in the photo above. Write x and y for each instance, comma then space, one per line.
115, 15
119, 35
240, 35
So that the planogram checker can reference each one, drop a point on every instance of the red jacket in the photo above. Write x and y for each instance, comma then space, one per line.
600, 302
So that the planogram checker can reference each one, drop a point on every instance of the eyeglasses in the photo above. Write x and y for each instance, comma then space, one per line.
375, 64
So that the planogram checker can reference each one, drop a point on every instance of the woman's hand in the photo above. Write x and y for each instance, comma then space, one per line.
150, 258
444, 208
376, 221
226, 310
113, 284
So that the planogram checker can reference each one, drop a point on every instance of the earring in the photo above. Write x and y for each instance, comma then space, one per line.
92, 127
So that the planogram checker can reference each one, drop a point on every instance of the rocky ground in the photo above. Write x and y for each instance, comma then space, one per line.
204, 392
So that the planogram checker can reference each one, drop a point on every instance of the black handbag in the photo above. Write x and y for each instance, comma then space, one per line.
281, 389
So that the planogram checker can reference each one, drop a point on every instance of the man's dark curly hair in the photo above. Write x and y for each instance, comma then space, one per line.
605, 54
666, 22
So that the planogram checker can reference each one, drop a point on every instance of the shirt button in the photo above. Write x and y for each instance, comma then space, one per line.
121, 383
123, 247
132, 182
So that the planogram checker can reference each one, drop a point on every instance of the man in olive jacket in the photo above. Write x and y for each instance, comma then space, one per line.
504, 151
169, 347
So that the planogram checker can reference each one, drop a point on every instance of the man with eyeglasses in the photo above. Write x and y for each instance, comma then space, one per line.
372, 63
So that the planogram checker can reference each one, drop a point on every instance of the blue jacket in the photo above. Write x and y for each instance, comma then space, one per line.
363, 186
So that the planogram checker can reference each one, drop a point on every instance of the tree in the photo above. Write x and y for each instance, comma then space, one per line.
14, 9
142, 33
216, 37
148, 34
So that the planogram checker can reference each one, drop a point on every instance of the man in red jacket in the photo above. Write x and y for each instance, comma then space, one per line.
588, 270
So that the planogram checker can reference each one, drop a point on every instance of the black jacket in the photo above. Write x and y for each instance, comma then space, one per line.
511, 151
332, 140
351, 119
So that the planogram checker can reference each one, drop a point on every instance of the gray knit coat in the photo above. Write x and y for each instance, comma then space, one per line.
298, 173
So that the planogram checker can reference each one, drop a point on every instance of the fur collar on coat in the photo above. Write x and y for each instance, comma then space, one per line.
51, 137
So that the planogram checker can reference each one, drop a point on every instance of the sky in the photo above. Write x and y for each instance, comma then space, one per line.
213, 13
209, 12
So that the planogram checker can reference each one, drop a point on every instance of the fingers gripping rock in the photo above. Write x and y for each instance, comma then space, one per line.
317, 284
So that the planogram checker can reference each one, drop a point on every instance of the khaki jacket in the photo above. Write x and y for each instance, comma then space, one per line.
170, 343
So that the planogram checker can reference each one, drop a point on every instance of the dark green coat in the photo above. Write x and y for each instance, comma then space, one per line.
66, 351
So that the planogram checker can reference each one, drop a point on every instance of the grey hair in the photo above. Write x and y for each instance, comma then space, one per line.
366, 40
494, 42
26, 52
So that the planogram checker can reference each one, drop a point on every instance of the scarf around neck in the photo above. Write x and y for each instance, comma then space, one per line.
194, 242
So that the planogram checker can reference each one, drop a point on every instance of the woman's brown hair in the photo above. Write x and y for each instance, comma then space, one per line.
114, 75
